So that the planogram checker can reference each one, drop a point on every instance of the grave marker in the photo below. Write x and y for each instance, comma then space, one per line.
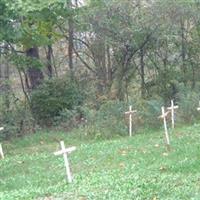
1, 149
198, 107
172, 109
64, 151
1, 152
130, 113
163, 116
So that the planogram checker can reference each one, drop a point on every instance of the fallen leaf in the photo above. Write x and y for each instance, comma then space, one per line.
83, 198
20, 162
163, 168
165, 154
122, 165
123, 153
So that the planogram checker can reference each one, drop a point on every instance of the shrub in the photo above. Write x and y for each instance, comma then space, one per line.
17, 122
52, 97
148, 112
188, 102
110, 119
106, 122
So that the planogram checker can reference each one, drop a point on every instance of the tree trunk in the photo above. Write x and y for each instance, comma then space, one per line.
142, 74
100, 63
49, 61
120, 87
7, 87
109, 67
5, 75
124, 61
35, 74
71, 42
183, 53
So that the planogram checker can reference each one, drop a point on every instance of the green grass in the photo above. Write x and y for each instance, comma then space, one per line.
135, 168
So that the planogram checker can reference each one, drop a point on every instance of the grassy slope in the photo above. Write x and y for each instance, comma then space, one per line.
127, 168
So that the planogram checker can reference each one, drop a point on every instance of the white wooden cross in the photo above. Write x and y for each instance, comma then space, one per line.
130, 113
172, 110
198, 107
163, 116
1, 152
1, 149
64, 151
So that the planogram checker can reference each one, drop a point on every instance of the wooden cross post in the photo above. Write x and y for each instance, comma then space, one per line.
64, 151
172, 110
1, 152
1, 149
130, 113
198, 107
163, 116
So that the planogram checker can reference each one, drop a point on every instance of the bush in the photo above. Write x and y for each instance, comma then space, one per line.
188, 102
17, 122
52, 97
110, 119
148, 112
106, 122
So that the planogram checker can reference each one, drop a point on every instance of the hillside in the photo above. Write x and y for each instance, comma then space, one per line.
125, 168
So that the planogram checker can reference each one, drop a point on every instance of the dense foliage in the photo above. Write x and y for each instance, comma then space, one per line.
140, 52
53, 97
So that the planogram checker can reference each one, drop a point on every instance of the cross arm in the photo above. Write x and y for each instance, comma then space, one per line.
130, 112
164, 115
174, 107
68, 150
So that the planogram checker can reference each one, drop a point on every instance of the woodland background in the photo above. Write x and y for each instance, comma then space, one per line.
71, 63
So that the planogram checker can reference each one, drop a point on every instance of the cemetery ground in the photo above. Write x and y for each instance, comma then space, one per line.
123, 168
